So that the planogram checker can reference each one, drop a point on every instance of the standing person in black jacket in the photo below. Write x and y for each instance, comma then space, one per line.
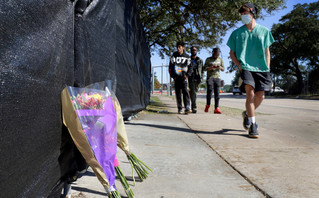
180, 68
196, 78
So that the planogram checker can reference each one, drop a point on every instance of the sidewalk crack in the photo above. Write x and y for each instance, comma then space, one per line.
227, 162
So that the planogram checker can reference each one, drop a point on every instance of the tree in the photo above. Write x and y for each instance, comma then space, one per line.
231, 68
157, 84
296, 48
314, 81
200, 23
235, 81
227, 88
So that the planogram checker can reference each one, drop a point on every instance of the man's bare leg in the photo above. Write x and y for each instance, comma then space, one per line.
259, 97
250, 98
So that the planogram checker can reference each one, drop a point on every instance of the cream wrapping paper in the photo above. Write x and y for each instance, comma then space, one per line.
71, 121
122, 140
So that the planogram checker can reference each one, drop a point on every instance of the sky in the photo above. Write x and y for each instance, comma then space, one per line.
268, 21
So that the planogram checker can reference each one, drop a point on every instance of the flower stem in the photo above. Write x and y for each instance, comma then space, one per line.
114, 194
139, 167
124, 183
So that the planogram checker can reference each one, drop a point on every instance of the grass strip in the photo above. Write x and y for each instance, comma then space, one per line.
155, 106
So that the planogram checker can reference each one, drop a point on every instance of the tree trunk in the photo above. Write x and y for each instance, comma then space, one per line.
299, 77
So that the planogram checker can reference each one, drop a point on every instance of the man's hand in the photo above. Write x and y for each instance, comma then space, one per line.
235, 60
213, 67
267, 53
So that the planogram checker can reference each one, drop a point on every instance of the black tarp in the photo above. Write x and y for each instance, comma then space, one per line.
44, 46
122, 56
133, 60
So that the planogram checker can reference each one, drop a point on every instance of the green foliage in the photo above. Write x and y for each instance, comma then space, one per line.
203, 85
232, 66
227, 88
296, 48
157, 84
235, 81
156, 106
200, 23
314, 81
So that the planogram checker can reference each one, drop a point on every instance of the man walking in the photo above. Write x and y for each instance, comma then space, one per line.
180, 68
213, 65
249, 50
196, 77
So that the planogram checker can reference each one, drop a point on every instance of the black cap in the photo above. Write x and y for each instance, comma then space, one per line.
253, 9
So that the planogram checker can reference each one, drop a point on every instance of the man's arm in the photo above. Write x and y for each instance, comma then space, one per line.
171, 68
190, 68
201, 69
267, 53
205, 66
234, 59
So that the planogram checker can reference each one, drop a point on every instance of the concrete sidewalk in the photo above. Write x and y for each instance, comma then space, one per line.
209, 155
276, 164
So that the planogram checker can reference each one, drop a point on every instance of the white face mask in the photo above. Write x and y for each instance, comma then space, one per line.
245, 18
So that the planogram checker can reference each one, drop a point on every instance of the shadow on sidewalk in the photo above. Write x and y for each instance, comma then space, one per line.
130, 178
220, 132
80, 189
87, 173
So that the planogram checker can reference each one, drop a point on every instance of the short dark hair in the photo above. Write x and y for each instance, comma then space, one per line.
216, 49
193, 47
249, 8
180, 43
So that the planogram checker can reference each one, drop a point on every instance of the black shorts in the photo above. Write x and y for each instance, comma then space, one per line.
260, 81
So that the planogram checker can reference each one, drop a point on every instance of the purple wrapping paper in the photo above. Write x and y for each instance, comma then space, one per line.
99, 126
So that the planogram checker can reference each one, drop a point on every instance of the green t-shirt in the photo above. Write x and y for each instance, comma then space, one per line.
213, 73
250, 47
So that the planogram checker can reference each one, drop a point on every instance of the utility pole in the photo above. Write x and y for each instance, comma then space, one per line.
153, 80
153, 76
170, 86
162, 79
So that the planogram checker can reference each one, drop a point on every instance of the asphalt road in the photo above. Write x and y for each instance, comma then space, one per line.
298, 118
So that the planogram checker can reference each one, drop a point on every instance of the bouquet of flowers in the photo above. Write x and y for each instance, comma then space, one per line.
122, 143
91, 119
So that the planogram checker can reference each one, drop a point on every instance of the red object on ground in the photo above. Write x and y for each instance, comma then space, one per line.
207, 108
217, 111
